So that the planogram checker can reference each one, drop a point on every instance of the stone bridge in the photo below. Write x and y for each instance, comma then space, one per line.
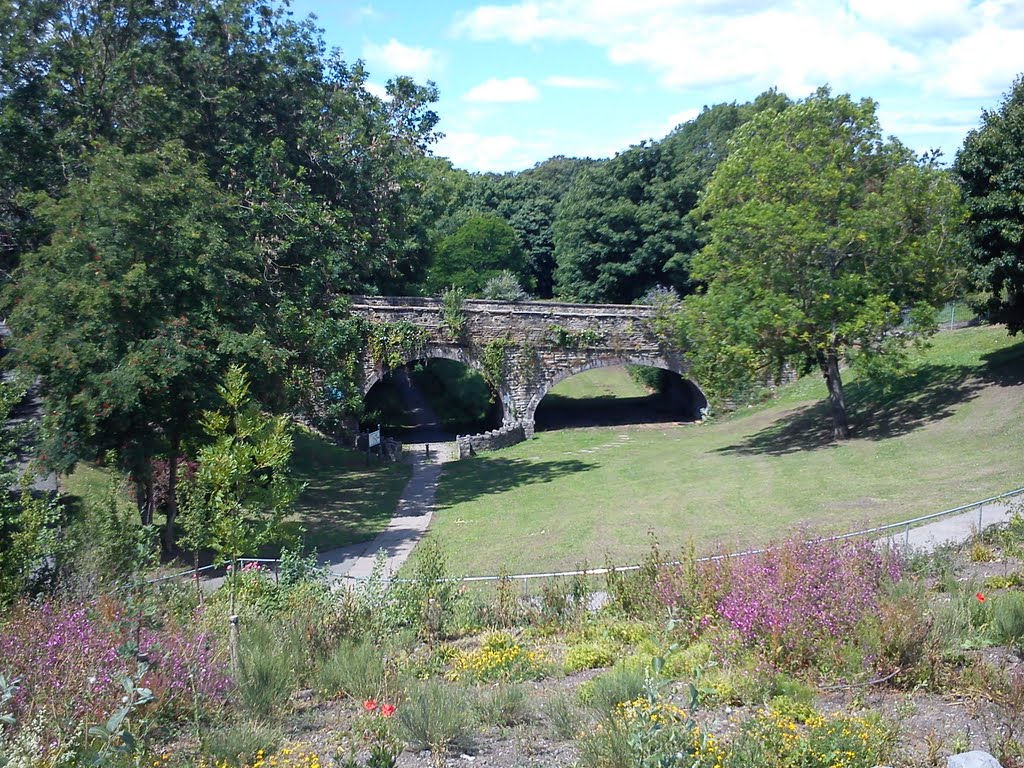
525, 348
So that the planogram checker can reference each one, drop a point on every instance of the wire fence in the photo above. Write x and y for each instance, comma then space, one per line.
902, 527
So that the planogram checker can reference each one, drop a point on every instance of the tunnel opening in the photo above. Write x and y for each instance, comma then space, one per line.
431, 400
619, 395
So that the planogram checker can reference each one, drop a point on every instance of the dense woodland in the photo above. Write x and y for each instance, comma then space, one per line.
193, 189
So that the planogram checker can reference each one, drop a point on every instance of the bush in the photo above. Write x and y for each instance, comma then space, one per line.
500, 658
357, 669
620, 684
1008, 620
564, 717
437, 717
503, 705
266, 670
236, 744
589, 656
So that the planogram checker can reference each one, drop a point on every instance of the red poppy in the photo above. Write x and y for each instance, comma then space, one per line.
981, 597
370, 704
387, 710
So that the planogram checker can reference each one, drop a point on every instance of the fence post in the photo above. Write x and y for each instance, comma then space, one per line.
906, 538
981, 509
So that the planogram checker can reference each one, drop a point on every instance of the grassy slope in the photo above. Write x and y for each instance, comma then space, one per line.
344, 501
948, 433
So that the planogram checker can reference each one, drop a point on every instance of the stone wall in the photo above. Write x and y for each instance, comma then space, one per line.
469, 445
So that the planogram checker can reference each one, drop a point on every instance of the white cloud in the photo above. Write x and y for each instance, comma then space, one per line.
378, 90
582, 83
497, 90
957, 48
394, 58
478, 152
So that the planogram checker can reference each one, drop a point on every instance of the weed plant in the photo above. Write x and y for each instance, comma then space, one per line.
502, 705
267, 677
437, 717
623, 682
1008, 620
564, 718
357, 669
239, 743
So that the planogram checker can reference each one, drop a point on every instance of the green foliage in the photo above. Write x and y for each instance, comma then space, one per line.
565, 338
564, 718
242, 488
453, 314
266, 670
988, 169
868, 227
437, 717
622, 683
427, 601
504, 286
458, 395
484, 246
502, 705
494, 360
589, 655
1008, 620
237, 743
627, 224
357, 668
392, 345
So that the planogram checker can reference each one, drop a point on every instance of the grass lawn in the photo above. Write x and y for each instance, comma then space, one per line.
345, 501
951, 431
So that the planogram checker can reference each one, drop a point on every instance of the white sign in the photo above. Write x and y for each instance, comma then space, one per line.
374, 438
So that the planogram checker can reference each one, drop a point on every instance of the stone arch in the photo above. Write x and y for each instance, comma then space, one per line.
374, 373
562, 373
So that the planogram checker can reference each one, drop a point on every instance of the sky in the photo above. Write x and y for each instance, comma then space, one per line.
520, 82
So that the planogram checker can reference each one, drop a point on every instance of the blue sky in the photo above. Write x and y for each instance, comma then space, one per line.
522, 81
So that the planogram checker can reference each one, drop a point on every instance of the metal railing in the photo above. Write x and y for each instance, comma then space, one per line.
904, 525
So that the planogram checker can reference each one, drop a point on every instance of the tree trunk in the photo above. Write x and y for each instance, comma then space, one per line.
172, 497
830, 370
144, 496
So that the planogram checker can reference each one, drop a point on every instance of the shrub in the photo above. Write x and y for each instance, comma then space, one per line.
799, 595
500, 658
1008, 620
959, 618
898, 640
238, 743
357, 669
620, 684
503, 705
564, 717
589, 656
564, 600
437, 717
266, 671
777, 740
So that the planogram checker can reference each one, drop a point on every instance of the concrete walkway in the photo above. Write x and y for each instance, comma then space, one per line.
396, 542
956, 529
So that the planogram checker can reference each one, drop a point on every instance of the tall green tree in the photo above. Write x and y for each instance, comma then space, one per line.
822, 237
626, 225
990, 169
133, 309
480, 249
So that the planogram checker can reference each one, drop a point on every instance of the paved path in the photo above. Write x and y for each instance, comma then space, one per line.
415, 508
955, 528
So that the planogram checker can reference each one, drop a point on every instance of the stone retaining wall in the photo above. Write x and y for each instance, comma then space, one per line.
469, 445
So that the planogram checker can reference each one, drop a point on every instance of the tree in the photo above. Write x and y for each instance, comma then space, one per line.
242, 488
821, 238
133, 309
626, 225
480, 249
990, 170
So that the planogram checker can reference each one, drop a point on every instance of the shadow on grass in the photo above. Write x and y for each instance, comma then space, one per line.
344, 500
926, 395
558, 412
468, 480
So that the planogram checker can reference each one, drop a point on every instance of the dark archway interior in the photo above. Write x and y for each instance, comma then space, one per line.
431, 401
611, 397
